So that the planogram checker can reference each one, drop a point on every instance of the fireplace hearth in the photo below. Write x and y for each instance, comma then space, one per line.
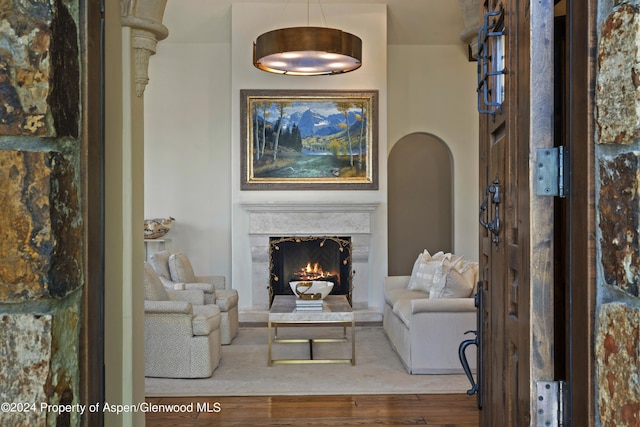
323, 258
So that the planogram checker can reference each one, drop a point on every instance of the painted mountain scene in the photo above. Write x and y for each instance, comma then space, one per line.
314, 138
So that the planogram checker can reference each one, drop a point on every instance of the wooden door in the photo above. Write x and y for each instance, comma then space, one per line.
516, 240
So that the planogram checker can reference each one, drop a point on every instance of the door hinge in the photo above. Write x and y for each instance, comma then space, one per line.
551, 404
552, 171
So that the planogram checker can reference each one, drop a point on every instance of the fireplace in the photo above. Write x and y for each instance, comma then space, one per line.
324, 258
307, 219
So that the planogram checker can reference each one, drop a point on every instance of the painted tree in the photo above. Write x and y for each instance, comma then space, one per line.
280, 105
256, 126
334, 147
264, 106
362, 119
344, 107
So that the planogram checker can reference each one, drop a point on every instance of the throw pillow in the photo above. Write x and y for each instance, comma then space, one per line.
452, 285
181, 269
153, 288
160, 263
424, 276
470, 271
422, 257
445, 263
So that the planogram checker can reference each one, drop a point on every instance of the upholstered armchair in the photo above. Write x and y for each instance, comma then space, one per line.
181, 333
176, 272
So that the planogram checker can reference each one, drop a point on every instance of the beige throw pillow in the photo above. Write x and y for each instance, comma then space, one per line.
181, 269
457, 282
452, 285
153, 288
160, 263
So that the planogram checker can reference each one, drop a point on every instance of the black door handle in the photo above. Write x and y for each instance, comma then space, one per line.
491, 194
477, 341
465, 363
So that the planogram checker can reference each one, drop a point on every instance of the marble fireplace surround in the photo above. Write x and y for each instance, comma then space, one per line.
309, 219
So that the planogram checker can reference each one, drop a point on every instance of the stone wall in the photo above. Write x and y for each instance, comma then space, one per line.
41, 232
617, 344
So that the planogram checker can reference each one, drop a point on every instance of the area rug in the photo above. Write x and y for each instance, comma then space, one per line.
244, 371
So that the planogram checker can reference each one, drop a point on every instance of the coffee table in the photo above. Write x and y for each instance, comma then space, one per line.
336, 311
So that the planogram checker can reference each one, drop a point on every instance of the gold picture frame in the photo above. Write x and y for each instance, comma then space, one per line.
309, 140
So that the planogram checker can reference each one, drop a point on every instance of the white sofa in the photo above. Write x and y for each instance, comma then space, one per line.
426, 326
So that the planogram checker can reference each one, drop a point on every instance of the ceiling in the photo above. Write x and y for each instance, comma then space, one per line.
408, 21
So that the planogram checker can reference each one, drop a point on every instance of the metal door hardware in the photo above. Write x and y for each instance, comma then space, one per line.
477, 341
551, 171
490, 64
551, 401
492, 195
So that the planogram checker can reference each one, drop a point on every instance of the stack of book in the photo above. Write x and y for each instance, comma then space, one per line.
308, 304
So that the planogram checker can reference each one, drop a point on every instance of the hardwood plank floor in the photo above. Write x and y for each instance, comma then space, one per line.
444, 410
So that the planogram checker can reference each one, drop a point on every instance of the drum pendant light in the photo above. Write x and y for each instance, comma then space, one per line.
307, 51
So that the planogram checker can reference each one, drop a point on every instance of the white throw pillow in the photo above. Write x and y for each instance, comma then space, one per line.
426, 271
445, 263
421, 257
458, 281
452, 285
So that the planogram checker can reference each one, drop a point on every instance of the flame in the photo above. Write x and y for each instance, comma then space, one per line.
316, 269
312, 271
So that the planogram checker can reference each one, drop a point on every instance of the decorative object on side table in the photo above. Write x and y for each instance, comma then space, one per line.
311, 293
157, 227
311, 289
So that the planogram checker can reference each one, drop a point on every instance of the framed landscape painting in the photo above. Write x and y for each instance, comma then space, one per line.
309, 140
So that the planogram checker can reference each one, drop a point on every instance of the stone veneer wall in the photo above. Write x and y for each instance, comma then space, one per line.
41, 234
617, 342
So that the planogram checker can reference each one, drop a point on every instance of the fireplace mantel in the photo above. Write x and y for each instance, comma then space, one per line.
309, 207
309, 219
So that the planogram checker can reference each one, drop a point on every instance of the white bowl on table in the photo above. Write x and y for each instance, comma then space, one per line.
311, 289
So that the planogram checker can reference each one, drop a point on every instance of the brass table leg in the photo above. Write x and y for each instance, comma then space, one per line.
269, 344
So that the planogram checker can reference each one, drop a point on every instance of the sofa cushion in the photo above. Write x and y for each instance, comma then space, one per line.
402, 309
153, 288
181, 269
393, 295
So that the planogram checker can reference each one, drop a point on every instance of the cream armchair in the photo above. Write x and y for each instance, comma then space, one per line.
176, 273
181, 333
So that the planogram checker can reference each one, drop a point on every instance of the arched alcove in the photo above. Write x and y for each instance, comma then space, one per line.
420, 200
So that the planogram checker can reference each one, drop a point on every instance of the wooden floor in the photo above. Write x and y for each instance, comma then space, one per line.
450, 410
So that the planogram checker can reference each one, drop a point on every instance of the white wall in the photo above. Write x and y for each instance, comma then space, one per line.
187, 150
432, 89
367, 21
192, 131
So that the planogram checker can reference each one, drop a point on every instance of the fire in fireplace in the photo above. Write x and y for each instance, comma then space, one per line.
312, 273
310, 258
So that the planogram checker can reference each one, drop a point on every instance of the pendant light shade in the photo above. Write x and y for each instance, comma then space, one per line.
307, 51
